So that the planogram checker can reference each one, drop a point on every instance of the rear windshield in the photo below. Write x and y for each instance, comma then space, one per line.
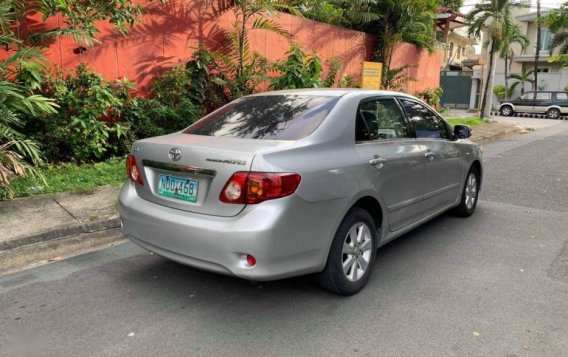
269, 117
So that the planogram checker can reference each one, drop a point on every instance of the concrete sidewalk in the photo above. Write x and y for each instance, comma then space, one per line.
40, 229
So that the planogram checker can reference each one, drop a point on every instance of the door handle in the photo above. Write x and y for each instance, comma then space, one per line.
377, 161
429, 156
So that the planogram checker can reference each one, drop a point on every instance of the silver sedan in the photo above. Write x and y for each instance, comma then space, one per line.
286, 183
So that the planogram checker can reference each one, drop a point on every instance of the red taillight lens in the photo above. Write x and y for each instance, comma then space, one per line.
256, 187
132, 170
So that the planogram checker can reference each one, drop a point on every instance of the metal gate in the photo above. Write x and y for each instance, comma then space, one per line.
457, 89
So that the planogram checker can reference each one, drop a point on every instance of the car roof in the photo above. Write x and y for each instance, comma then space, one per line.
332, 92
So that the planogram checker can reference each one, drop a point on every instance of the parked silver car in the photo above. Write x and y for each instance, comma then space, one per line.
286, 183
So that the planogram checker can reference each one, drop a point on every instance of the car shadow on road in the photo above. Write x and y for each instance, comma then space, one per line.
168, 281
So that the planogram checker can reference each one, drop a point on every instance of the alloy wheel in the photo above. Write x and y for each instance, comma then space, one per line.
470, 191
357, 252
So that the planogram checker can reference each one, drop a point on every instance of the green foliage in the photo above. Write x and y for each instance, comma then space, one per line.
242, 69
302, 70
557, 22
348, 81
87, 125
201, 72
566, 88
526, 76
396, 79
299, 70
331, 77
474, 121
396, 21
328, 11
500, 91
68, 177
431, 96
150, 117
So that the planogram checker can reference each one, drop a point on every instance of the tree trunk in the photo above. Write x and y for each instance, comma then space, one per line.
537, 52
487, 93
507, 75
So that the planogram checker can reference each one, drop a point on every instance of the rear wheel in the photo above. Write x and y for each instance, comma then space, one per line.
352, 254
553, 113
506, 111
470, 194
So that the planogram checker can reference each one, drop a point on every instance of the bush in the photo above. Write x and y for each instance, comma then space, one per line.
431, 96
151, 117
87, 126
299, 70
500, 91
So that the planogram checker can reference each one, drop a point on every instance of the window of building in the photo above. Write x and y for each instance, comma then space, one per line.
545, 39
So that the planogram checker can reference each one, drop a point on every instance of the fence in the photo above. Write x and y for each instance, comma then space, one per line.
168, 33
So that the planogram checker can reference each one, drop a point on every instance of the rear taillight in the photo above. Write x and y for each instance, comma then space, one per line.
132, 170
256, 187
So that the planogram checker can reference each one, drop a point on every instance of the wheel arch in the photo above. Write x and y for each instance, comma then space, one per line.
478, 166
507, 104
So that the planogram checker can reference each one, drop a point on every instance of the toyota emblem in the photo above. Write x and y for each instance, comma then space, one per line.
175, 154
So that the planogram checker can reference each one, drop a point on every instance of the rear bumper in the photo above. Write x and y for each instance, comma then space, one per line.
287, 236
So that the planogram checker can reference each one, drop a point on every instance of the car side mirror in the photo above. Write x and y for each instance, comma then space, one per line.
462, 131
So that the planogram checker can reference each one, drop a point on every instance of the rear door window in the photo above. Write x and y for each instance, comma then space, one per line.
562, 96
267, 117
425, 122
380, 119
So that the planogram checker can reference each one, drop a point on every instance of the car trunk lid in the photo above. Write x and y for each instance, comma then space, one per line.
188, 172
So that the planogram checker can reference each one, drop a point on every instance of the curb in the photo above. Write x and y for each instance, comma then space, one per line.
69, 239
528, 115
496, 136
65, 231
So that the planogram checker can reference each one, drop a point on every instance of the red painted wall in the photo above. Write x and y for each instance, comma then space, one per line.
425, 67
168, 34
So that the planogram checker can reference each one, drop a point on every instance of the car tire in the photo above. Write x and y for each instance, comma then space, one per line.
470, 194
553, 113
506, 111
353, 246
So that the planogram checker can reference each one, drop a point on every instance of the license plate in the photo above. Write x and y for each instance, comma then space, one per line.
177, 187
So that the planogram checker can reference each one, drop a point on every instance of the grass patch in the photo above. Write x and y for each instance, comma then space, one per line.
474, 121
70, 178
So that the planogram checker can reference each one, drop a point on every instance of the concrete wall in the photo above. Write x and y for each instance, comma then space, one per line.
169, 33
425, 67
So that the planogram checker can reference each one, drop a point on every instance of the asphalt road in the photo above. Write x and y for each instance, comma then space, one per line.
495, 284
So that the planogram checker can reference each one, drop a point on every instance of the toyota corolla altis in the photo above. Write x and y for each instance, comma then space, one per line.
286, 183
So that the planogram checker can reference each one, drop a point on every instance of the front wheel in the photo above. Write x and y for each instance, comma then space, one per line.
553, 113
506, 111
470, 194
352, 254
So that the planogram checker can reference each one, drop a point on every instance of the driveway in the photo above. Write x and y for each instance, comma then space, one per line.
495, 284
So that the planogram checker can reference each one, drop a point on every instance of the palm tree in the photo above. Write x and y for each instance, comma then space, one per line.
526, 76
246, 67
493, 18
513, 36
395, 22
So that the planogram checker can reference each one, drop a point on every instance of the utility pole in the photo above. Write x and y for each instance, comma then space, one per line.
538, 44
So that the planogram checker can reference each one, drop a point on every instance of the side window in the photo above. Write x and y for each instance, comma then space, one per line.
562, 96
426, 124
380, 119
528, 96
543, 96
